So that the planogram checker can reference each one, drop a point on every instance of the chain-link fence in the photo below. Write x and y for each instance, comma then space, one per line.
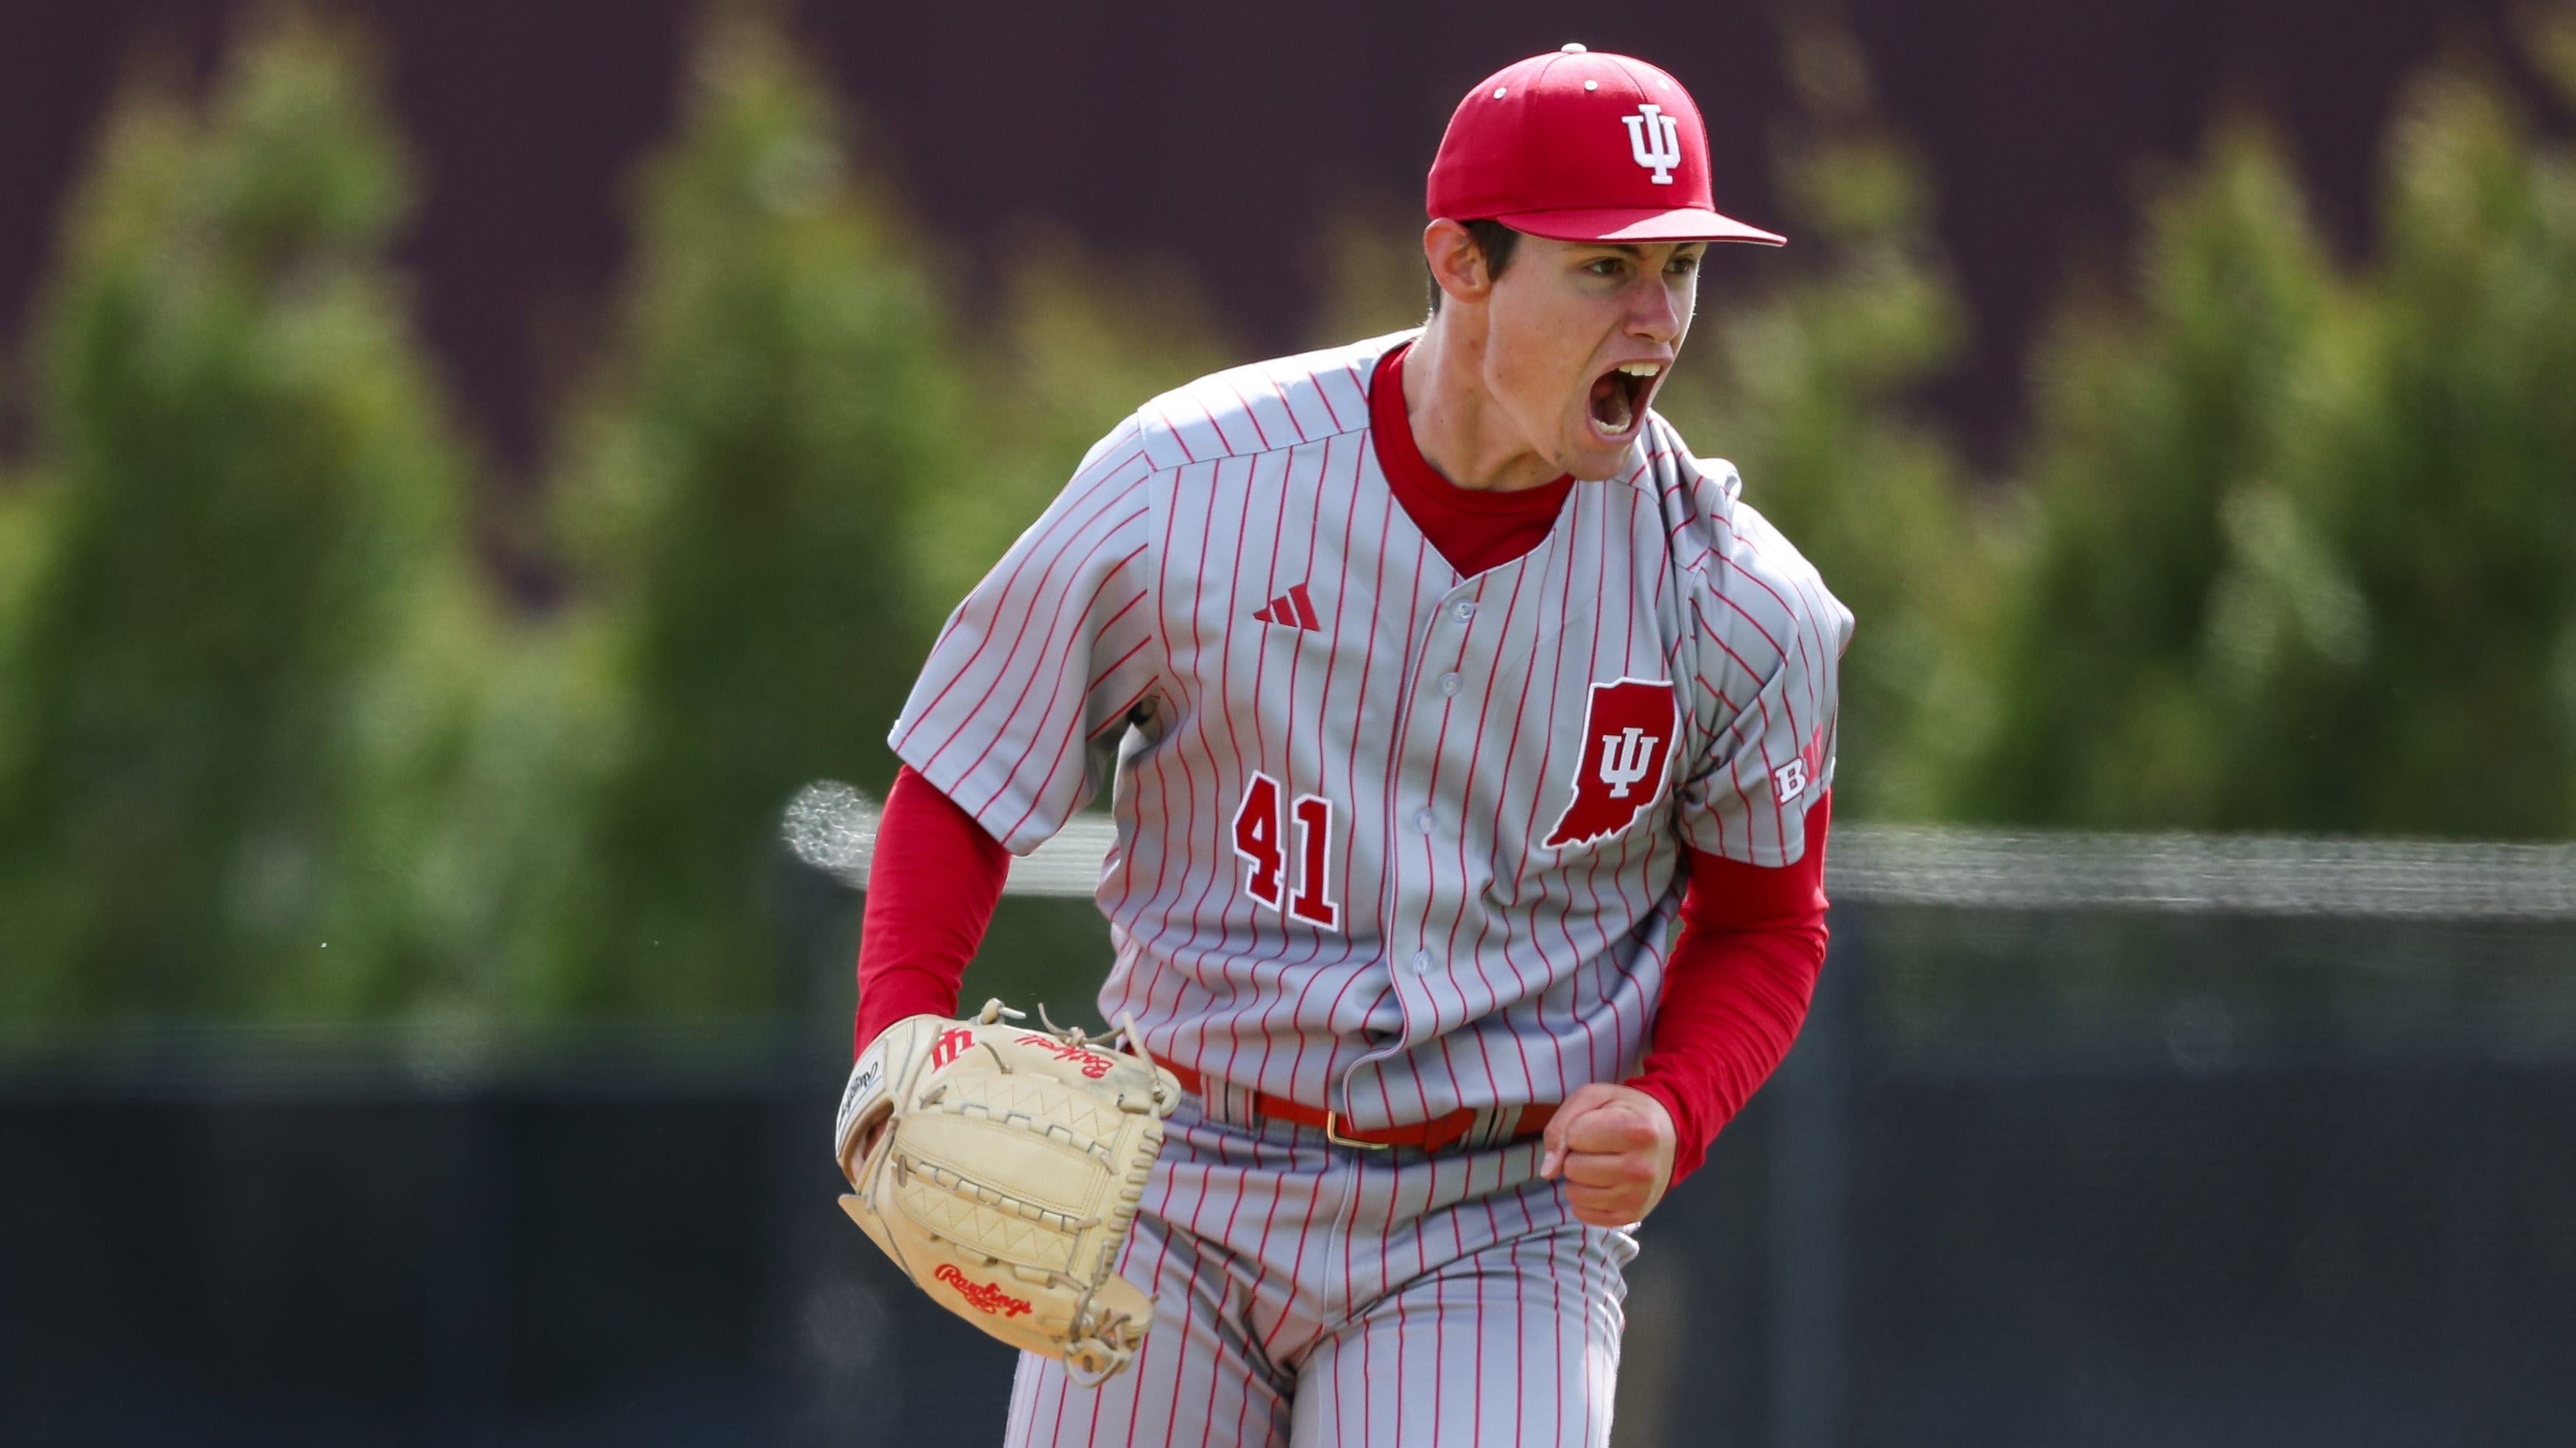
2118, 1140
2090, 1140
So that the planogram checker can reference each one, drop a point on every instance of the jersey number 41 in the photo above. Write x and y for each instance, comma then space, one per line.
1259, 832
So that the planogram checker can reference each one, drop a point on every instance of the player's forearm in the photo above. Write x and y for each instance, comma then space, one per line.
1736, 989
932, 885
1733, 1010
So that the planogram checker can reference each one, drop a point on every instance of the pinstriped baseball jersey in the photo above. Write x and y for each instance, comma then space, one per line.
1390, 841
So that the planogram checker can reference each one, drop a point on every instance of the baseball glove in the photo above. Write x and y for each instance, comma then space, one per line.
1008, 1174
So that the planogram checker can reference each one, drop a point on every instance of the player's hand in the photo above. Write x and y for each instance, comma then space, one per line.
859, 1151
1613, 1145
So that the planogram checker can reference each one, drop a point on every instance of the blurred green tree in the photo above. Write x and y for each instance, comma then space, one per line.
1076, 344
218, 717
1809, 386
2391, 642
27, 512
2147, 413
738, 499
2299, 548
1367, 261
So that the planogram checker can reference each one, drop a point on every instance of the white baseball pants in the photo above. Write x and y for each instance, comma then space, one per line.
1310, 1295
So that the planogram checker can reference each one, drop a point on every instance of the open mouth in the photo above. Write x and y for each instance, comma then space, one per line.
1618, 399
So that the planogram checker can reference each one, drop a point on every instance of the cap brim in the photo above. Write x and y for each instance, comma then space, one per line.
1688, 223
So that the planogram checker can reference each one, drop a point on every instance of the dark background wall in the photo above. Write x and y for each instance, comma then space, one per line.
1215, 136
2215, 1217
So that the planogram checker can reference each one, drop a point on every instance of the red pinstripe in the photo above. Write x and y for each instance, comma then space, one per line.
1406, 669
1804, 621
1127, 846
1592, 872
965, 670
1218, 428
1252, 416
1218, 772
1172, 1417
1261, 1254
1118, 715
1234, 1024
1174, 431
1248, 945
1359, 384
1180, 752
1617, 867
1735, 769
1355, 470
1289, 407
1379, 1286
1112, 621
1233, 1021
1377, 593
1520, 713
1042, 732
1004, 671
1260, 756
1529, 826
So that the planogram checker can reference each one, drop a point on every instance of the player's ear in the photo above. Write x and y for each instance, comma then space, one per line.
1457, 263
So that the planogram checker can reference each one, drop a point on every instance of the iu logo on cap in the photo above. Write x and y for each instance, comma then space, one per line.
1655, 139
1627, 746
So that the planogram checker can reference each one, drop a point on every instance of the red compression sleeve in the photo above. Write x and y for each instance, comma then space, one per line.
1736, 989
932, 885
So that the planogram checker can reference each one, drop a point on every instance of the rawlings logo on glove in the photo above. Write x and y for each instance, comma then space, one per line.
1007, 1174
984, 1297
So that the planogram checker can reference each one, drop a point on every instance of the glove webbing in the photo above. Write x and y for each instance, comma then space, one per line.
942, 1177
1052, 1130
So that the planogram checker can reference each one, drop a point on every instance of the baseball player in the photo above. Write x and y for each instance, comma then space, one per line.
1431, 681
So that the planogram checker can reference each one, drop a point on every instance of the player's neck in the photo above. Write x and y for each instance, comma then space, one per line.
1459, 431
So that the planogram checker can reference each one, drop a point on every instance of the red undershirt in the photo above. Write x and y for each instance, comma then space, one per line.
1473, 528
1735, 989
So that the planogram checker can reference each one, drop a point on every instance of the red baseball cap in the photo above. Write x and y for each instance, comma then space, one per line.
1578, 145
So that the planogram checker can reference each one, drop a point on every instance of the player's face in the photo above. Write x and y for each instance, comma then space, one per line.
1580, 336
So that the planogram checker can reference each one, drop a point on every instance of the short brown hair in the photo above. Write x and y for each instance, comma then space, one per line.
1494, 240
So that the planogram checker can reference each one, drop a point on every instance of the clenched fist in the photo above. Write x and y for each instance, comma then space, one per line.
1613, 1145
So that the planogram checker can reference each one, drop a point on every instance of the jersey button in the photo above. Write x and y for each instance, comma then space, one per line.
1422, 820
1463, 611
1448, 683
1422, 962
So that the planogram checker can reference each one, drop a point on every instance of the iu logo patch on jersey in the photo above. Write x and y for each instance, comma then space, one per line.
1628, 729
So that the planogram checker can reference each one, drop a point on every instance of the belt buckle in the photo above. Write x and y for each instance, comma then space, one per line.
1332, 1134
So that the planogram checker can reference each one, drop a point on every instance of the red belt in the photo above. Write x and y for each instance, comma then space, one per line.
1430, 1135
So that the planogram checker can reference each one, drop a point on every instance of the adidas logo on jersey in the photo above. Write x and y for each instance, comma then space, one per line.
1294, 609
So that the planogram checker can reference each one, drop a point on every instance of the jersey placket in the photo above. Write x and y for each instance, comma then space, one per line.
1444, 687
